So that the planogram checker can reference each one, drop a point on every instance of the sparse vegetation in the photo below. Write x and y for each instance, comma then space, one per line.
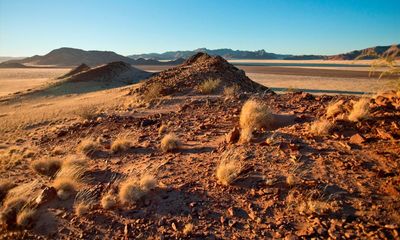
133, 189
313, 207
292, 180
231, 91
5, 186
188, 229
121, 144
84, 201
87, 112
209, 86
170, 142
254, 115
47, 167
334, 108
360, 110
108, 201
162, 130
65, 187
88, 146
26, 217
229, 168
321, 127
154, 91
12, 207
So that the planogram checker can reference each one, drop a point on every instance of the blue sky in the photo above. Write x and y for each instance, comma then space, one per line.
29, 27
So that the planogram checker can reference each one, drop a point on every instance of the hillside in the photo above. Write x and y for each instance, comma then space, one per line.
73, 57
393, 51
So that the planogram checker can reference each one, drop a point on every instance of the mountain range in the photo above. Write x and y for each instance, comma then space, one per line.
67, 57
262, 54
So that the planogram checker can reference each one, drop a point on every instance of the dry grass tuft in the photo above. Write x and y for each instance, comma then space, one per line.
321, 127
108, 201
75, 161
133, 190
170, 142
12, 207
229, 168
5, 186
188, 229
254, 115
72, 170
84, 201
231, 91
154, 91
121, 144
292, 180
334, 108
162, 130
81, 209
360, 110
26, 217
47, 167
65, 186
209, 86
87, 112
88, 147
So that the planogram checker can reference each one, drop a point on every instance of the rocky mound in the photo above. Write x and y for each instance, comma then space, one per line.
392, 51
187, 77
81, 68
114, 71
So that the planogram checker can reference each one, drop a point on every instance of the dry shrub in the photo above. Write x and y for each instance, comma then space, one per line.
133, 189
152, 92
74, 170
170, 142
360, 110
231, 91
121, 144
321, 127
23, 191
254, 115
87, 112
65, 187
84, 202
12, 207
334, 108
229, 168
47, 167
108, 201
162, 130
88, 146
209, 86
26, 217
188, 229
5, 186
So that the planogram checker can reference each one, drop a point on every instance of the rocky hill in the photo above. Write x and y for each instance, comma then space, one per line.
393, 51
194, 71
73, 57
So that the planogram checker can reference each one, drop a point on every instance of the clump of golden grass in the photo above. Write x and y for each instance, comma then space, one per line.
229, 168
65, 187
121, 144
292, 180
231, 91
87, 112
84, 201
108, 201
23, 191
58, 150
133, 190
73, 170
254, 115
5, 186
209, 86
162, 130
88, 146
188, 229
153, 91
10, 159
26, 217
360, 110
12, 207
47, 167
321, 127
74, 161
170, 142
334, 108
